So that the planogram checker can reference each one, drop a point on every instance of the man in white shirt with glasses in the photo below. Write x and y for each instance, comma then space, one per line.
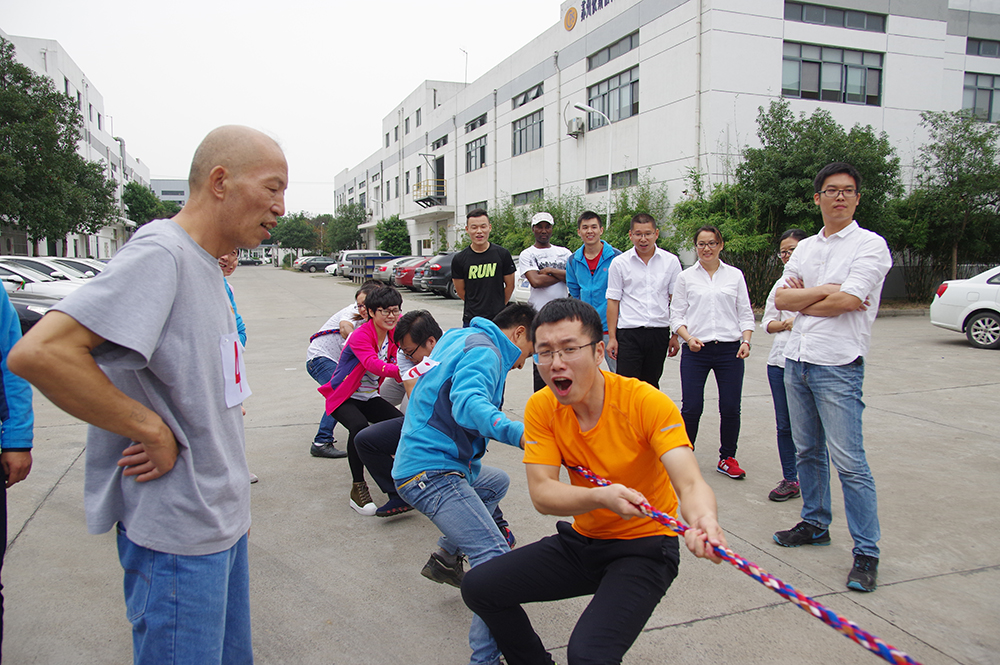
834, 281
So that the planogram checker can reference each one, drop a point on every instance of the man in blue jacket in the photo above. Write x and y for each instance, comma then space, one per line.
454, 408
16, 423
587, 271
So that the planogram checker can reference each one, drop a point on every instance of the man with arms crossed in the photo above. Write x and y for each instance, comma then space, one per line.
834, 282
587, 272
640, 284
544, 266
483, 272
147, 352
623, 430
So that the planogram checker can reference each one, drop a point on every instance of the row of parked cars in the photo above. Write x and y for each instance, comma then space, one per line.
35, 284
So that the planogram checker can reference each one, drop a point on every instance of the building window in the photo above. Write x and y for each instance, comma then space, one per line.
388, 192
831, 74
90, 110
418, 117
66, 85
481, 205
406, 126
475, 124
378, 193
839, 18
621, 47
396, 187
361, 199
980, 95
527, 134
395, 133
172, 192
617, 97
475, 154
526, 96
375, 176
100, 121
350, 202
983, 47
79, 100
618, 181
525, 198
443, 141
387, 139
361, 184
418, 175
350, 190
406, 185
425, 244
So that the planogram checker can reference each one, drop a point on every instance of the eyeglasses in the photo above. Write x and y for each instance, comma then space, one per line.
785, 253
409, 354
645, 235
833, 192
392, 311
711, 243
568, 353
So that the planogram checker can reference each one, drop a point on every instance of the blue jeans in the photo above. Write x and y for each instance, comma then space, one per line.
718, 357
187, 609
321, 369
463, 514
824, 403
786, 446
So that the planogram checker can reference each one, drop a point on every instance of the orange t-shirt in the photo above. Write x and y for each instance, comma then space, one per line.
638, 424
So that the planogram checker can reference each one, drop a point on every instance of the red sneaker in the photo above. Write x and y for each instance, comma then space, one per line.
730, 467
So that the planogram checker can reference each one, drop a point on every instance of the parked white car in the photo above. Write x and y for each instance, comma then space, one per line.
46, 266
19, 278
971, 306
522, 289
344, 259
80, 264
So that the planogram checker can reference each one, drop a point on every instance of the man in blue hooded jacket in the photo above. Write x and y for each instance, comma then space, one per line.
587, 271
454, 408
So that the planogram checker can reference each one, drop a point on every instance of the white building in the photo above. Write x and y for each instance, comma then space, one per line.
682, 81
98, 144
171, 189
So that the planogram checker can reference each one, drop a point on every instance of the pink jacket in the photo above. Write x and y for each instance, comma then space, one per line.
360, 355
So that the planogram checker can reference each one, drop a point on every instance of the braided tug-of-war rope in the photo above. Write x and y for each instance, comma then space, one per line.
844, 626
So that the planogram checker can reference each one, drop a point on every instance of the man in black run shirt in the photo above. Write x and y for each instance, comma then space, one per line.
483, 272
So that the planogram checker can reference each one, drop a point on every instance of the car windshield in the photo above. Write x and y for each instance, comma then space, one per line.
28, 274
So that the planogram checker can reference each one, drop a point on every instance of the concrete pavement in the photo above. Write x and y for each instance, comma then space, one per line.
329, 586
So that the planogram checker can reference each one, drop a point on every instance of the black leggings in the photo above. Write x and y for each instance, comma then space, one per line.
355, 415
626, 577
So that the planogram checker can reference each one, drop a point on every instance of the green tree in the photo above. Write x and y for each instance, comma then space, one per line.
47, 189
647, 197
342, 232
392, 236
141, 203
169, 209
320, 224
957, 204
294, 232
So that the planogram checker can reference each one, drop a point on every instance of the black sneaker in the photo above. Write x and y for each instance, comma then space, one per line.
438, 571
802, 533
864, 574
326, 450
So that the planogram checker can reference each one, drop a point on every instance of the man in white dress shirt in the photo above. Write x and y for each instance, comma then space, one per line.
834, 281
640, 283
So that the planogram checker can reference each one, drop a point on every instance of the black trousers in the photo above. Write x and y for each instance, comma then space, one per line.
355, 414
641, 352
626, 577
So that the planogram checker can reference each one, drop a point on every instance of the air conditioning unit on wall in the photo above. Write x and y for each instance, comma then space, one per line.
574, 127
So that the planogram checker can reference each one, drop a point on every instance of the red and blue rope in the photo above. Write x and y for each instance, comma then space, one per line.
844, 626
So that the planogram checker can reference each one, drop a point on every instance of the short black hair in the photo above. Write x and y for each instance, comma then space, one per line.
515, 314
383, 297
476, 212
570, 309
588, 214
709, 229
419, 325
367, 288
834, 168
642, 218
798, 234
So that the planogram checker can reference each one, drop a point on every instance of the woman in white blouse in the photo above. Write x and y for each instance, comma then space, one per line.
779, 324
710, 311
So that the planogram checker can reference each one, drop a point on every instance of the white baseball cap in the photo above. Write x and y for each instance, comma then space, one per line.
542, 217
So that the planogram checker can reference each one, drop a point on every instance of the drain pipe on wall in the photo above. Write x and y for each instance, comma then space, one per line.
496, 155
697, 93
555, 61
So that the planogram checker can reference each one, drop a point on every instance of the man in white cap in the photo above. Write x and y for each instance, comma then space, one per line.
544, 266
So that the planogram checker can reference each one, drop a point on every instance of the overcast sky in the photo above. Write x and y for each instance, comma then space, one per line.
317, 75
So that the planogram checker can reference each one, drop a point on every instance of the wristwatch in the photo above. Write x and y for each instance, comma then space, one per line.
749, 345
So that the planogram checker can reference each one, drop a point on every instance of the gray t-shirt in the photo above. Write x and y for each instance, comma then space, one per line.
162, 307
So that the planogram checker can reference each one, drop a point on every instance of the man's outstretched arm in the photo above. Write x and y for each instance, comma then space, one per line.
56, 357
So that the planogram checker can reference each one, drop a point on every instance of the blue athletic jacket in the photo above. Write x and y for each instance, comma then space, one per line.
589, 288
16, 416
455, 406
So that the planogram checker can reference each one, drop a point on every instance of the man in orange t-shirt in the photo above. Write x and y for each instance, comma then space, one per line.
628, 432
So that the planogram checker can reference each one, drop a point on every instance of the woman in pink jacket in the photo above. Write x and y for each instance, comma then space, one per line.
369, 356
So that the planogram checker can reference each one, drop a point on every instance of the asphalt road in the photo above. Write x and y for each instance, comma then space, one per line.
329, 586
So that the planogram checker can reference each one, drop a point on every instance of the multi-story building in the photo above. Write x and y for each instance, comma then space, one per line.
171, 189
681, 81
98, 144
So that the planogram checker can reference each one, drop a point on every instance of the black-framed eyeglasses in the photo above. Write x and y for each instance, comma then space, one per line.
833, 192
711, 243
409, 354
785, 253
567, 353
391, 311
